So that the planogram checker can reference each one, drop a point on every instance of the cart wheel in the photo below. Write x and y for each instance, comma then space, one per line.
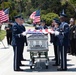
46, 67
30, 67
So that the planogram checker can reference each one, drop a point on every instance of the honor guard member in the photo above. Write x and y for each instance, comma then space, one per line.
52, 36
37, 25
18, 39
42, 25
63, 36
55, 41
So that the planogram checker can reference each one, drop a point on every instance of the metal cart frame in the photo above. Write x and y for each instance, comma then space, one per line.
38, 52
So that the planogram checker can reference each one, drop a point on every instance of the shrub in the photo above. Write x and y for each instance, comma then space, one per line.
2, 35
49, 17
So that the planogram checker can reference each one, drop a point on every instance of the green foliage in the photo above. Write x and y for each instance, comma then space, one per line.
14, 13
47, 5
49, 17
73, 2
6, 5
69, 10
26, 7
2, 34
29, 22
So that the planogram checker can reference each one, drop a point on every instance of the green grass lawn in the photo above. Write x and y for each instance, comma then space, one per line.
2, 34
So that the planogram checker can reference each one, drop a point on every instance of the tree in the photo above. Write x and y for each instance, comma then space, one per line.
26, 7
69, 10
47, 5
73, 4
12, 12
1, 1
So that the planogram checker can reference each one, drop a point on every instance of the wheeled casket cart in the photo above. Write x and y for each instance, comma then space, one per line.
38, 48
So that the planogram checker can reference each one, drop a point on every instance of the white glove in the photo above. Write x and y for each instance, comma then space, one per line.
43, 30
56, 33
73, 31
24, 33
51, 31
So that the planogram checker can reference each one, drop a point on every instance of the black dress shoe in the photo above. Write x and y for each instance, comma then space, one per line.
23, 59
26, 44
55, 64
22, 65
53, 59
69, 54
19, 70
60, 69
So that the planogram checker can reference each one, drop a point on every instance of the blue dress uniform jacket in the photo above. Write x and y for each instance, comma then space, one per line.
16, 34
18, 44
64, 32
56, 47
41, 27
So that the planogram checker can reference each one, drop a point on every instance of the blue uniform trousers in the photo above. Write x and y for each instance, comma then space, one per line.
57, 54
63, 56
18, 55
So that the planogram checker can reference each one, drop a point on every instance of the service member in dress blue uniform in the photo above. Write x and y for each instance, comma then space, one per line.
18, 39
37, 24
55, 41
42, 25
63, 34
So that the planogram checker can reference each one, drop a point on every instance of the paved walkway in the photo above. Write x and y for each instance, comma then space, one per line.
6, 63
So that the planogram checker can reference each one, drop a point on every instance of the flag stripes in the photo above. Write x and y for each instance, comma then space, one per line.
45, 31
4, 16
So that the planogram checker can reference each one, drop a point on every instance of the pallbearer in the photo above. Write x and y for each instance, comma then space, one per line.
18, 39
63, 34
55, 41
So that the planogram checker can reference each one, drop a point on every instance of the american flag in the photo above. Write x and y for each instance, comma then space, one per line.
4, 15
32, 16
41, 31
35, 16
